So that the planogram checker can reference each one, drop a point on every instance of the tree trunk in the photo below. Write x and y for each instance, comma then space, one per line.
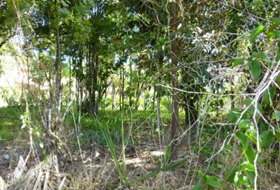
175, 114
58, 87
122, 88
113, 96
174, 51
130, 85
79, 77
95, 81
91, 103
139, 89
87, 103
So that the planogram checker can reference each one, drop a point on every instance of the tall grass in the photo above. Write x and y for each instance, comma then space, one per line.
121, 165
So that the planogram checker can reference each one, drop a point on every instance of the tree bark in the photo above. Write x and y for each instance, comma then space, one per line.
122, 86
174, 50
91, 103
95, 81
58, 87
139, 88
130, 85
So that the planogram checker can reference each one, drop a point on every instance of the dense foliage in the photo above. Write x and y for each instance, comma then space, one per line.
211, 66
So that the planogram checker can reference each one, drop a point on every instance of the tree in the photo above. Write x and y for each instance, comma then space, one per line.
174, 51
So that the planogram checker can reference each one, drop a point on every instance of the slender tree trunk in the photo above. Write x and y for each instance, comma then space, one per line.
79, 78
130, 84
138, 94
87, 104
113, 96
95, 81
138, 89
91, 104
120, 90
70, 80
175, 114
123, 87
175, 84
58, 87
158, 90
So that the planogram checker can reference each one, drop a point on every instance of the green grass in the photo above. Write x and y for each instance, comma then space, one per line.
10, 123
112, 121
142, 115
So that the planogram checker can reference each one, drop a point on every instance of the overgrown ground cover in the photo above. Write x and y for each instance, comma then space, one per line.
145, 149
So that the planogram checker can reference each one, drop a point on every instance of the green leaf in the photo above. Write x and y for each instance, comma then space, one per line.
230, 174
250, 154
277, 80
76, 34
172, 165
256, 32
263, 126
233, 115
165, 168
256, 69
53, 48
266, 139
276, 115
66, 21
27, 31
240, 179
243, 139
262, 56
246, 166
108, 138
278, 52
251, 110
198, 186
244, 115
275, 23
167, 155
247, 101
245, 124
251, 134
212, 181
274, 33
268, 96
251, 176
237, 62
63, 3
277, 135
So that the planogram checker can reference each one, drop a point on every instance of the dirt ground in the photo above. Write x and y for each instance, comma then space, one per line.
92, 167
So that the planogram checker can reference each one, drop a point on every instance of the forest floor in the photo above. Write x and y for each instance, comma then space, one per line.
92, 167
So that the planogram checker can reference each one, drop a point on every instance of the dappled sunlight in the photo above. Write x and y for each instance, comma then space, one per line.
157, 153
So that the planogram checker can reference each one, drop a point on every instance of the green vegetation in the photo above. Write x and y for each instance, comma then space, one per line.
139, 94
10, 123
